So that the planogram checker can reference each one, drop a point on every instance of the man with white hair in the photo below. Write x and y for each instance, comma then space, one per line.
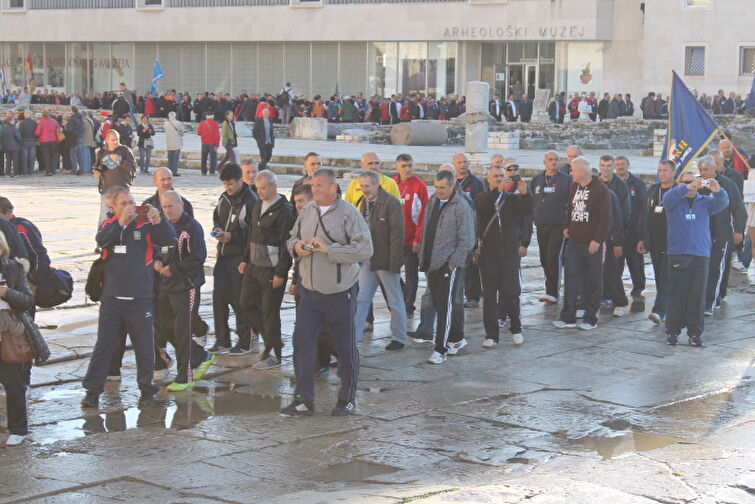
588, 222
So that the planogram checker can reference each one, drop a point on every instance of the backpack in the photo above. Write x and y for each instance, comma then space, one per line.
282, 99
95, 280
56, 290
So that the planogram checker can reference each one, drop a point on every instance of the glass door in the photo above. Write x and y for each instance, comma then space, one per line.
530, 83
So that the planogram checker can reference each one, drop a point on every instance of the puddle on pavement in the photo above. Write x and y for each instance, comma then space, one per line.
612, 447
354, 470
176, 413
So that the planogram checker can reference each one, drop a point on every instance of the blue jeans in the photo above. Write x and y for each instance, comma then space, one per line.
80, 161
28, 156
209, 150
145, 156
745, 256
173, 156
368, 284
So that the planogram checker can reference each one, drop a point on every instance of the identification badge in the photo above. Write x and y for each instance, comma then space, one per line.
549, 190
690, 216
164, 250
119, 249
137, 235
233, 217
658, 209
633, 192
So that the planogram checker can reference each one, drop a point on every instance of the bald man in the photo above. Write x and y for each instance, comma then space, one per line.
735, 159
370, 161
571, 152
163, 181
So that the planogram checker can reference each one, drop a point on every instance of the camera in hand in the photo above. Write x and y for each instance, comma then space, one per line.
515, 178
704, 187
141, 214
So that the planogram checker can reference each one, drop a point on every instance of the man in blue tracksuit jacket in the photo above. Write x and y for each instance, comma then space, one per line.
128, 245
689, 241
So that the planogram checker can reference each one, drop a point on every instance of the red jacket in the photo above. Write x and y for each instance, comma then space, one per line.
209, 132
149, 106
46, 130
740, 164
414, 200
384, 114
404, 114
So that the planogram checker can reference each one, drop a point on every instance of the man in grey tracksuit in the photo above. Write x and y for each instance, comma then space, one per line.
330, 238
448, 237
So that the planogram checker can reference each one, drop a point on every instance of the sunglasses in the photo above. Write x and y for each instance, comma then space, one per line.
512, 168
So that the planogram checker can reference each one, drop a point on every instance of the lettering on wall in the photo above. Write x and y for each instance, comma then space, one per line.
545, 32
37, 62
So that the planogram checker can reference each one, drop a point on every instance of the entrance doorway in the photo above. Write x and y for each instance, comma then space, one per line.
524, 75
530, 63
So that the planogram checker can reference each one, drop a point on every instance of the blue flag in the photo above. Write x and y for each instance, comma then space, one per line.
750, 103
690, 128
336, 93
157, 74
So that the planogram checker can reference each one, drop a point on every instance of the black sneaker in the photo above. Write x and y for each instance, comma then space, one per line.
91, 400
218, 349
695, 340
344, 408
672, 339
394, 345
239, 350
146, 399
298, 408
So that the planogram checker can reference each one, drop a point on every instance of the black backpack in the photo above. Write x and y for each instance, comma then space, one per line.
55, 290
95, 280
283, 98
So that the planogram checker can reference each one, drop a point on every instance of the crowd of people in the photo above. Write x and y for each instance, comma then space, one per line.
336, 248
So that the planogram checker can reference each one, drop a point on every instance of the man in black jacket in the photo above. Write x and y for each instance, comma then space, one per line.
550, 192
498, 212
264, 265
231, 220
637, 197
163, 180
181, 270
654, 237
127, 242
471, 185
264, 134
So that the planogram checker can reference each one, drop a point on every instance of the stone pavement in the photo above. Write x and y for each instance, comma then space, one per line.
611, 415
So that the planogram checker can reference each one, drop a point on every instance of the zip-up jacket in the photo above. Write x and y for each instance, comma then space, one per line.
731, 219
549, 198
121, 175
505, 232
185, 257
414, 199
638, 193
620, 188
268, 233
616, 236
232, 214
131, 274
38, 258
691, 235
471, 185
588, 212
387, 232
449, 240
654, 231
354, 191
209, 132
338, 269
154, 200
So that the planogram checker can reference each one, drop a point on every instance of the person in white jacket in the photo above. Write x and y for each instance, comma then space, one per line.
584, 109
174, 132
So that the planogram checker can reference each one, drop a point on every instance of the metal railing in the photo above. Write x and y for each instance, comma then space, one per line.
80, 4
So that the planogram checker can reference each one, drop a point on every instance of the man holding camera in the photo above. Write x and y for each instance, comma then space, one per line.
688, 215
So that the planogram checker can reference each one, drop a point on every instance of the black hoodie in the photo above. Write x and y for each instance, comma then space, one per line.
233, 214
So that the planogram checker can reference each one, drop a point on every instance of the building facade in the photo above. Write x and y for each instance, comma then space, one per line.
372, 46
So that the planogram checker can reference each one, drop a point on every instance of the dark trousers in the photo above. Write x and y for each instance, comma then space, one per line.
229, 156
262, 305
472, 286
227, 292
613, 285
687, 277
584, 276
500, 275
28, 157
266, 153
13, 163
48, 152
550, 240
334, 313
450, 312
660, 269
636, 264
12, 377
212, 152
720, 255
411, 273
178, 310
324, 349
135, 317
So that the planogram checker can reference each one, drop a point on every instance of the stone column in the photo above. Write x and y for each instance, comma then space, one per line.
476, 119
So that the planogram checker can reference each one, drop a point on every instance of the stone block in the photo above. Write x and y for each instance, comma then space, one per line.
419, 133
308, 128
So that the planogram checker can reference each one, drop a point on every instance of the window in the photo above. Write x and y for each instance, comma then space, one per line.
697, 3
746, 60
694, 61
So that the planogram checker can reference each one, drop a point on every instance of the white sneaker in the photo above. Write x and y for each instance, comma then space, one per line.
113, 378
564, 325
517, 338
437, 358
489, 343
14, 440
160, 375
586, 326
737, 265
580, 314
453, 348
619, 311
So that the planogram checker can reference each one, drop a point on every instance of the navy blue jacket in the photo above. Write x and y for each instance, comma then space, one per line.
185, 257
733, 218
11, 138
154, 200
132, 274
621, 189
550, 196
637, 196
38, 258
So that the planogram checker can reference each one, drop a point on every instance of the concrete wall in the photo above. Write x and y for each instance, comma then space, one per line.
623, 55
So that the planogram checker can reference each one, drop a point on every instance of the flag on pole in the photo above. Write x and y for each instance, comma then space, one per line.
336, 93
750, 103
690, 128
157, 74
2, 80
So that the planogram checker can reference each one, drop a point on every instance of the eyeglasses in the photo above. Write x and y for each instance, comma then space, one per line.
512, 168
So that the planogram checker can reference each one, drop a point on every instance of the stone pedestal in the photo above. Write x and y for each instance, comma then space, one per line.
308, 128
476, 118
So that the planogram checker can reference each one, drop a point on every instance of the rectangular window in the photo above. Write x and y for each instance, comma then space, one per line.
746, 60
16, 4
697, 3
694, 61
